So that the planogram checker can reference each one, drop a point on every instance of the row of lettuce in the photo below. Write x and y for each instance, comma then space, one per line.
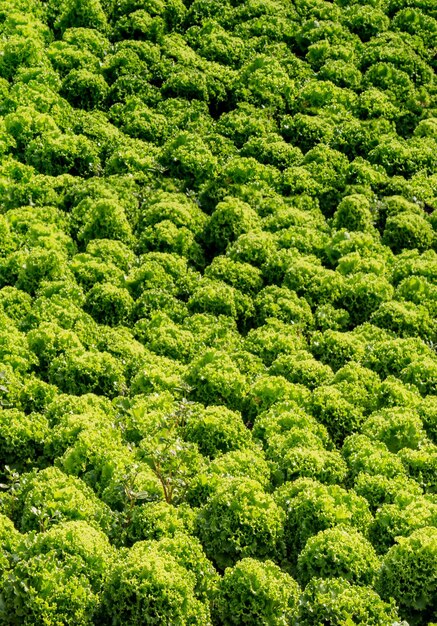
218, 304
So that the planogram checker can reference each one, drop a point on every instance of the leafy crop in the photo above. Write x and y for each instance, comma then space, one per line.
218, 305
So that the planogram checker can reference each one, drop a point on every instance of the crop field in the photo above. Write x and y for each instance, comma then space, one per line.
218, 313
